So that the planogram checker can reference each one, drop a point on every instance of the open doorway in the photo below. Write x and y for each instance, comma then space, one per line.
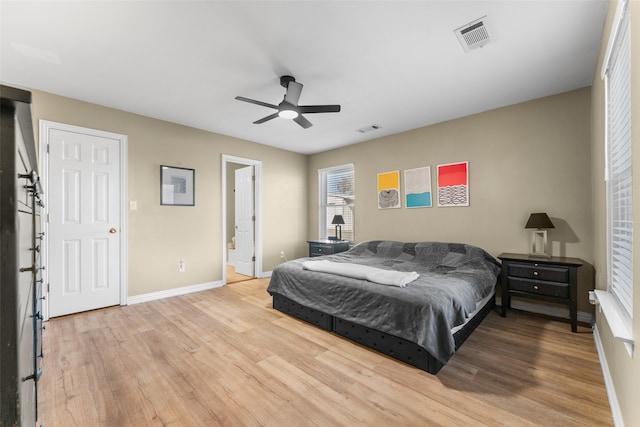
241, 219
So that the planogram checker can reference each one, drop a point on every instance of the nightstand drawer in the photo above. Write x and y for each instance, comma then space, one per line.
558, 290
539, 272
320, 249
327, 247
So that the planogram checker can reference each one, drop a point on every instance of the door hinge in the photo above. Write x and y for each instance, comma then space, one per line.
253, 258
253, 218
253, 178
48, 287
48, 148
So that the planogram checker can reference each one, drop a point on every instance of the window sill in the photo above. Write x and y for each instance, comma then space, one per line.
619, 322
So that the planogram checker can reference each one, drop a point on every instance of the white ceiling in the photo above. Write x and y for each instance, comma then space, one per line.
397, 64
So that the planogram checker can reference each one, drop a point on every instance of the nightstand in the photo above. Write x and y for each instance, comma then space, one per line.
552, 279
327, 247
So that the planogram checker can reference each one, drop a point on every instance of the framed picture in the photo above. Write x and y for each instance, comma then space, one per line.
417, 187
177, 186
389, 190
453, 184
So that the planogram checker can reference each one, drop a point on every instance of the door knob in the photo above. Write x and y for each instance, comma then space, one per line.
112, 230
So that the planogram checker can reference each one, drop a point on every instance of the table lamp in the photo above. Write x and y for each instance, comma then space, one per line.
539, 221
338, 221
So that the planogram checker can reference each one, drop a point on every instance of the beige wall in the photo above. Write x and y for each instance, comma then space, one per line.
160, 236
530, 157
625, 371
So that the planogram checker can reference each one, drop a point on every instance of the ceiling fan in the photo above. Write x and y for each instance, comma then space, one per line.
289, 108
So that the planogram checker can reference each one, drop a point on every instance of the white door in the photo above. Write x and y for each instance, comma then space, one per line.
84, 221
245, 219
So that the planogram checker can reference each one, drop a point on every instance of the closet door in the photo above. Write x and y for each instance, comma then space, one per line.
84, 221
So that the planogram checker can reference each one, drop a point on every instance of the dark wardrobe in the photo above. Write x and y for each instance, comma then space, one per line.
20, 266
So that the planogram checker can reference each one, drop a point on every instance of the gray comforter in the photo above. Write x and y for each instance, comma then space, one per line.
453, 278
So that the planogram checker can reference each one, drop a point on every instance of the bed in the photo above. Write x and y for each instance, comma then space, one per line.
422, 323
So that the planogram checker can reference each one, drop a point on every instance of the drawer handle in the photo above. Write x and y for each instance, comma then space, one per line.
535, 273
536, 287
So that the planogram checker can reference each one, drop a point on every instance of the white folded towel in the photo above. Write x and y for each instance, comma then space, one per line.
364, 272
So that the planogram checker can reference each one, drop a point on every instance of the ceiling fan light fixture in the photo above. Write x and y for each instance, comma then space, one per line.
288, 114
289, 107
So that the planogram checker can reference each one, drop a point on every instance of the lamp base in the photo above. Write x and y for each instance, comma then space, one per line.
539, 244
540, 255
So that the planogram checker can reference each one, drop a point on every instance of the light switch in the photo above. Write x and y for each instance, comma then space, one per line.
133, 205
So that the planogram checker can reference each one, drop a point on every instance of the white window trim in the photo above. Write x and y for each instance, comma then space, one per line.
613, 35
322, 213
617, 317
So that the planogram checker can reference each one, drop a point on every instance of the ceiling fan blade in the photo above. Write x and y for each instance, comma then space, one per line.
306, 109
294, 89
303, 122
253, 101
266, 119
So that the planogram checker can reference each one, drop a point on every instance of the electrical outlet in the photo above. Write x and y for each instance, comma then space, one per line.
281, 254
181, 266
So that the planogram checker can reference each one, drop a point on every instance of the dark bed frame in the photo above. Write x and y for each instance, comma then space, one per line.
398, 348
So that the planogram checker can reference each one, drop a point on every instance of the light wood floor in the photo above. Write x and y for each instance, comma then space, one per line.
225, 357
233, 277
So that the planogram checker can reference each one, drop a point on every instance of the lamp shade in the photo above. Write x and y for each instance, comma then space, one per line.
337, 219
539, 220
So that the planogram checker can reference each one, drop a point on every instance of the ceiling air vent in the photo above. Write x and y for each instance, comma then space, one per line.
473, 35
369, 128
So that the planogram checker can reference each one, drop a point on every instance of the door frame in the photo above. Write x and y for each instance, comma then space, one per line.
245, 217
257, 187
45, 126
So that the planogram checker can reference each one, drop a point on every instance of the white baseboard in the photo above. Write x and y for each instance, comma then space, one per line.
137, 299
616, 414
547, 310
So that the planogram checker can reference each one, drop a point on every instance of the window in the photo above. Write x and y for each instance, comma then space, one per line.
337, 197
616, 73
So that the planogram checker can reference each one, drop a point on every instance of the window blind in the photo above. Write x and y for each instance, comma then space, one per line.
619, 165
337, 197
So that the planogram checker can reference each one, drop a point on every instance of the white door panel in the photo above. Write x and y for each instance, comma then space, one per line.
84, 222
244, 199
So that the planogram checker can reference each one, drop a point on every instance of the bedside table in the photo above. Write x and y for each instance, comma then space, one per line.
327, 247
552, 279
